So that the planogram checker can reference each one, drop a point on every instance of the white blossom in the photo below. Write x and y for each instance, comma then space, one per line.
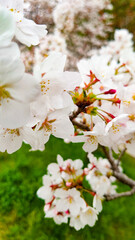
27, 32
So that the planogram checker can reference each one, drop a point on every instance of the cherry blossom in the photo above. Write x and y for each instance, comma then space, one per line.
14, 99
63, 190
27, 32
69, 200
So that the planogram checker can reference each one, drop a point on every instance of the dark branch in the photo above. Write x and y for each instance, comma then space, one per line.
121, 154
76, 113
80, 125
110, 159
121, 177
118, 195
124, 178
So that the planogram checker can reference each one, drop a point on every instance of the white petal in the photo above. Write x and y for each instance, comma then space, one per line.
63, 128
25, 90
60, 193
29, 33
7, 27
76, 223
91, 144
13, 4
97, 203
13, 114
11, 69
61, 205
44, 193
55, 62
59, 160
74, 209
78, 164
10, 141
71, 80
53, 168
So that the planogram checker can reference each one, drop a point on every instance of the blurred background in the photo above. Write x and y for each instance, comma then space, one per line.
77, 31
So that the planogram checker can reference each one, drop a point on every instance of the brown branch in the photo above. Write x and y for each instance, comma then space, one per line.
124, 178
121, 177
80, 125
121, 154
72, 117
116, 173
118, 195
110, 159
76, 113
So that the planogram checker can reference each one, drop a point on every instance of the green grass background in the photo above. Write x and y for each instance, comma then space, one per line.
21, 212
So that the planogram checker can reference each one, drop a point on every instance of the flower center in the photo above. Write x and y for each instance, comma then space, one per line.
90, 212
44, 86
70, 199
47, 125
4, 94
133, 97
13, 131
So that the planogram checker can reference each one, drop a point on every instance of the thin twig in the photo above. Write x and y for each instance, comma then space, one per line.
118, 195
110, 158
124, 178
119, 175
121, 154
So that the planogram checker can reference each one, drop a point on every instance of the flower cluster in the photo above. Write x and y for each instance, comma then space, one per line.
24, 116
65, 194
107, 94
17, 88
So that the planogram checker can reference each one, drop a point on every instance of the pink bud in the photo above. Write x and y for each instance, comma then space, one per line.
67, 212
111, 91
68, 184
118, 101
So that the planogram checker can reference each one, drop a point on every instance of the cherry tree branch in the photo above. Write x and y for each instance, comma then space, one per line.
116, 173
121, 177
121, 154
72, 117
110, 158
124, 179
118, 195
76, 113
80, 125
